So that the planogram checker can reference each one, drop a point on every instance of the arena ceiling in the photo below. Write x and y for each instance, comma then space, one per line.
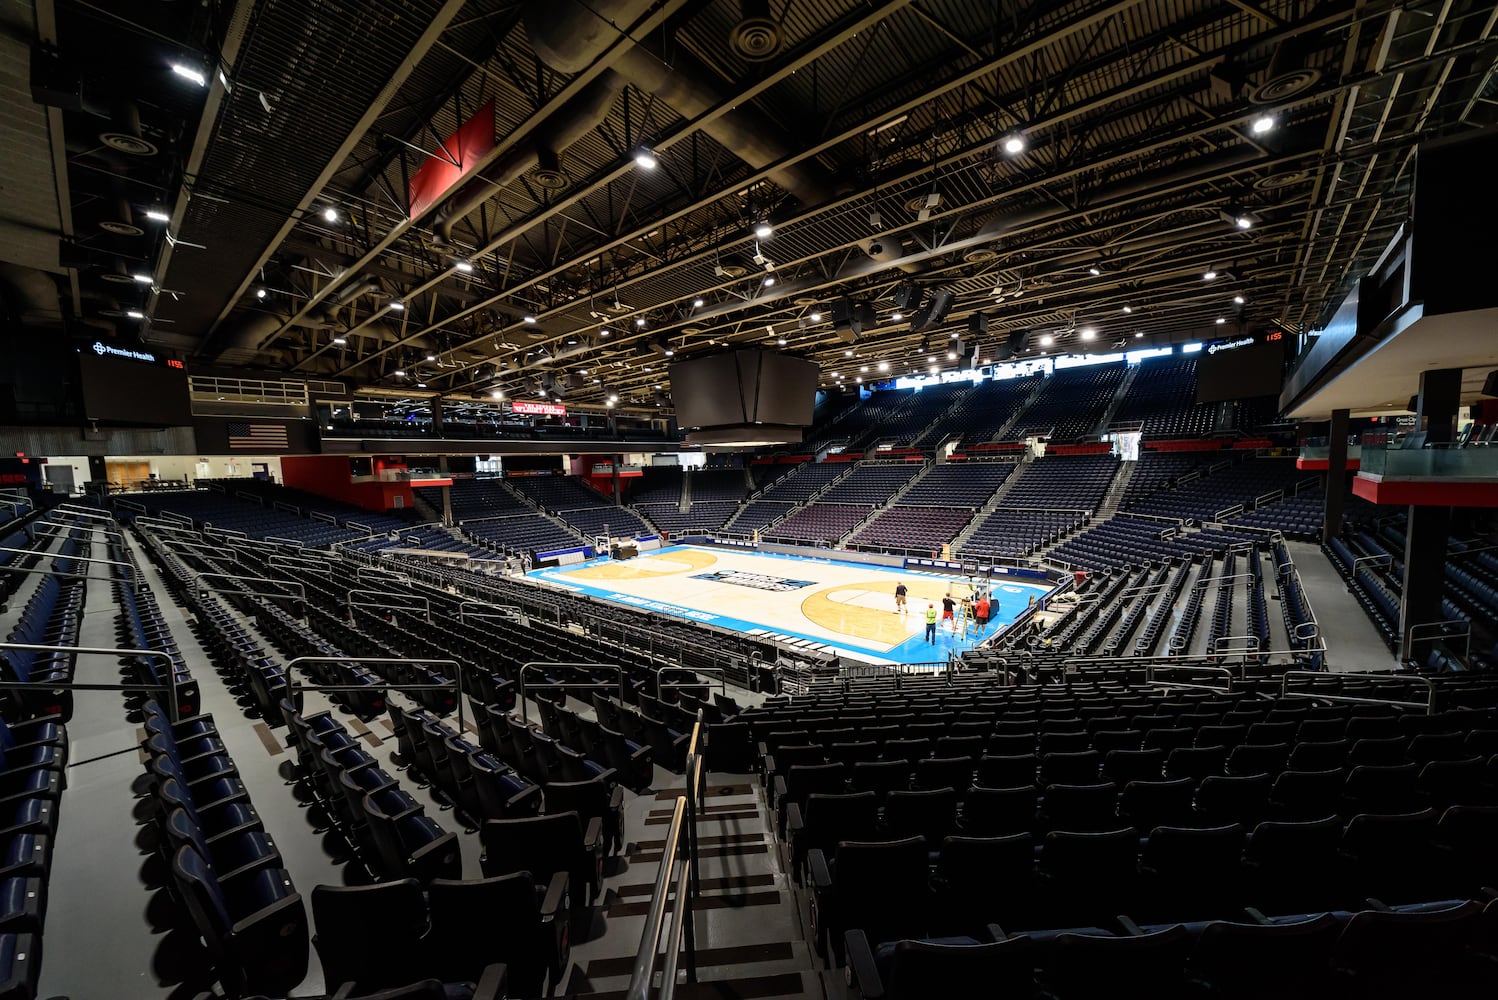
1070, 169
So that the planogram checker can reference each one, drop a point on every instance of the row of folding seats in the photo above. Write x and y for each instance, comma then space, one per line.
227, 871
569, 746
33, 774
1443, 948
139, 625
387, 828
51, 617
472, 779
1080, 878
497, 936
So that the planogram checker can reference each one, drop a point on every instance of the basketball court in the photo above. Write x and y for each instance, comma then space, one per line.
827, 605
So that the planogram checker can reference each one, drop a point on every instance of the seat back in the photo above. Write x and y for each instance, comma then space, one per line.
370, 935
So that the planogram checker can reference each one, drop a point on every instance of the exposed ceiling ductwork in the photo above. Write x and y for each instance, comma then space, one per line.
569, 36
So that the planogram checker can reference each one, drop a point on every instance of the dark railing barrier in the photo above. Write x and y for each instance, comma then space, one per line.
681, 885
543, 664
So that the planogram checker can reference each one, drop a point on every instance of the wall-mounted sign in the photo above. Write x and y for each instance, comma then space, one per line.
539, 409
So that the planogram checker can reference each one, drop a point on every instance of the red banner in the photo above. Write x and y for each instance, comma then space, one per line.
539, 409
459, 154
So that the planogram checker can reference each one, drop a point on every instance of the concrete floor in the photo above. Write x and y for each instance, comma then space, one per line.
1352, 643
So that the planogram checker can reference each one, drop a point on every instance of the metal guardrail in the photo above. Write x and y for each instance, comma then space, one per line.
38, 571
1155, 668
412, 602
667, 686
1442, 631
171, 687
1430, 687
540, 664
455, 685
683, 886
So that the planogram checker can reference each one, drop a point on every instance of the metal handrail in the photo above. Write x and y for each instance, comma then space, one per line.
1154, 668
495, 612
1461, 630
219, 552
82, 510
662, 686
680, 844
524, 717
1430, 687
300, 595
161, 524
58, 555
1215, 647
456, 683
63, 528
120, 651
416, 601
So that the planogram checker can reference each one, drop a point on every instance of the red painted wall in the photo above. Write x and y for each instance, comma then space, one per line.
328, 476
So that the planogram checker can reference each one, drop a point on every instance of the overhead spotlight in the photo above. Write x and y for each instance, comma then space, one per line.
610, 402
400, 373
1220, 320
1238, 217
192, 73
951, 355
1243, 221
769, 281
933, 370
1128, 308
858, 379
953, 336
1046, 340
884, 366
259, 293
896, 316
496, 394
1014, 143
431, 357
613, 397
1095, 271
815, 317
1263, 123
140, 277
157, 215
763, 230
135, 314
1209, 275
1138, 334
466, 266
863, 368
339, 341
780, 341
605, 332
848, 353
1087, 333
396, 305
1238, 300
640, 321
528, 319
645, 158
330, 214
698, 303
421, 385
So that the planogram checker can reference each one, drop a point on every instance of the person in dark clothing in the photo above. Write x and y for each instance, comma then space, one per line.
948, 606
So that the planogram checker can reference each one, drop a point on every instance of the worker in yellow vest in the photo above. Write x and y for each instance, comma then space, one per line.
931, 623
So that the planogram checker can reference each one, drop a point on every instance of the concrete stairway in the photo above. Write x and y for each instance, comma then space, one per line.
1109, 505
749, 930
1119, 395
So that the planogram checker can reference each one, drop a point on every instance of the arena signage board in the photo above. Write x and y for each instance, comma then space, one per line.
539, 409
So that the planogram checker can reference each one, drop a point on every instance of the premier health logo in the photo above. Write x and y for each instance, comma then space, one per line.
1240, 342
101, 349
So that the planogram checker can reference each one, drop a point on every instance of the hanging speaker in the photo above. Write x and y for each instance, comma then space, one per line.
1019, 341
934, 310
907, 296
977, 323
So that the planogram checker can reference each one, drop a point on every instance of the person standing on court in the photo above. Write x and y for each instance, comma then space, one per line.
900, 597
931, 623
980, 613
948, 606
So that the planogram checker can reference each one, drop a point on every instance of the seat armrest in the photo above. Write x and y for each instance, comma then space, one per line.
863, 974
1130, 927
821, 877
593, 835
556, 896
616, 798
793, 821
1378, 905
493, 983
1257, 916
997, 933
777, 790
767, 768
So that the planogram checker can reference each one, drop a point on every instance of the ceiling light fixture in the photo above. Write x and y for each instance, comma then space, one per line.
157, 215
605, 332
1238, 300
780, 341
1220, 320
951, 355
1138, 334
400, 373
1128, 308
259, 293
815, 317
896, 317
142, 278
135, 314
1046, 340
339, 341
770, 281
884, 366
1263, 123
466, 266
431, 357
396, 305
330, 214
496, 394
1014, 143
645, 158
1087, 333
1095, 271
763, 230
190, 73
1209, 275
698, 303
528, 319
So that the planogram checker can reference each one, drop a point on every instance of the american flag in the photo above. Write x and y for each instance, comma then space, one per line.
257, 437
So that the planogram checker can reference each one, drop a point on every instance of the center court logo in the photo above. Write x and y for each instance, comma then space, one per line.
758, 581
